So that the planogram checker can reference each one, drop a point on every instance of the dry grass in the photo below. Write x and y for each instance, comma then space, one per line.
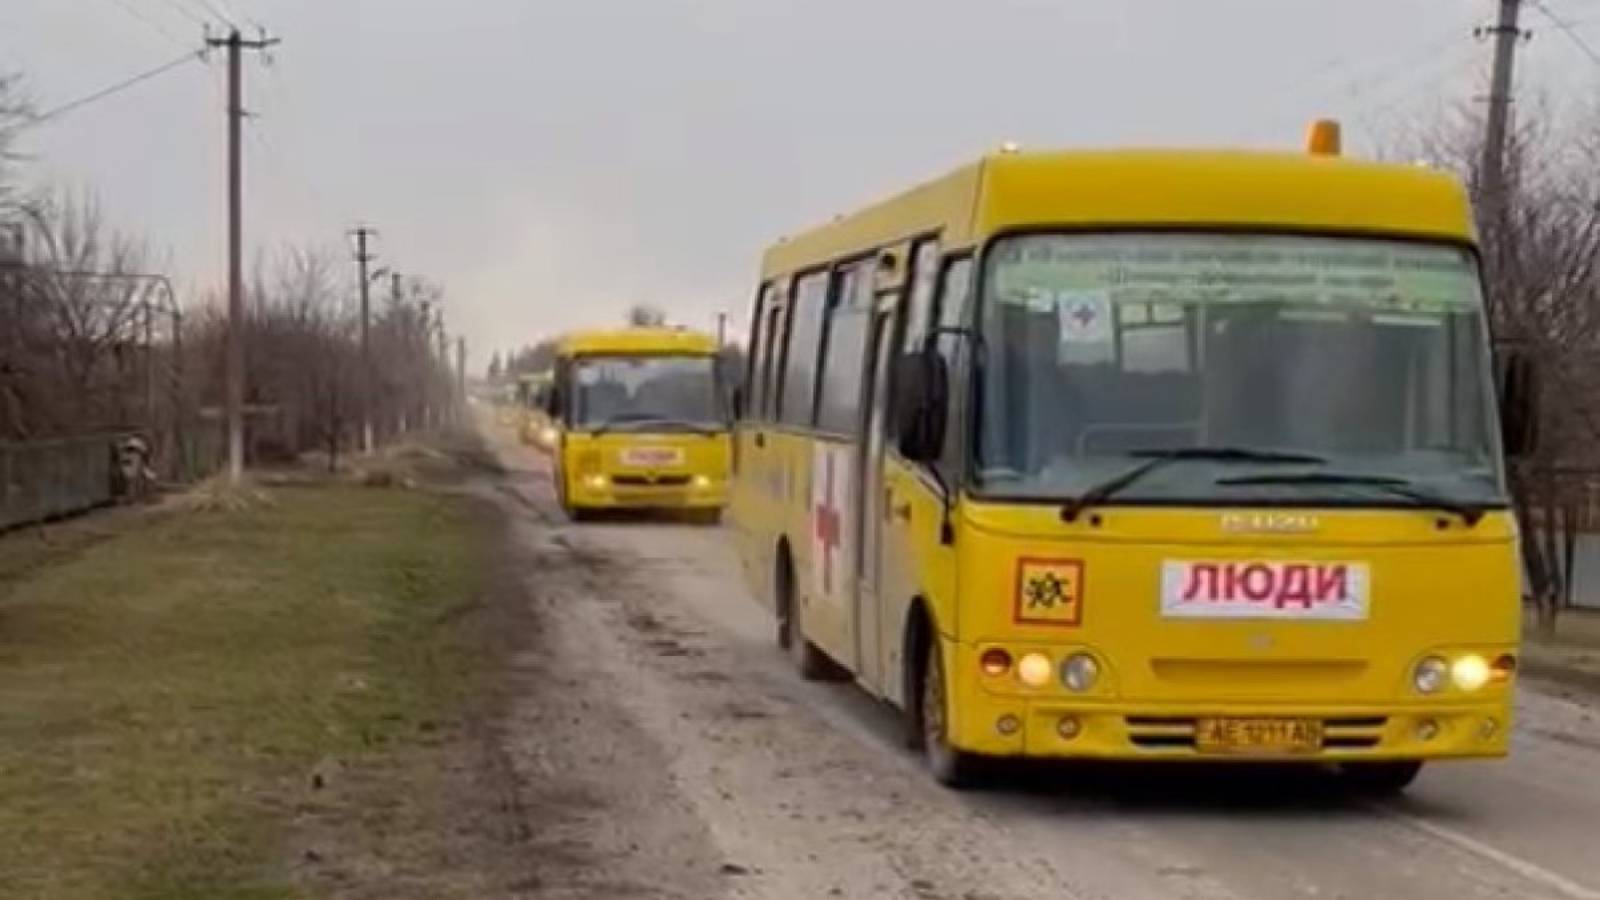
167, 693
217, 494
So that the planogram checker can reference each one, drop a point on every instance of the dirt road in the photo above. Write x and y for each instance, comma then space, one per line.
681, 757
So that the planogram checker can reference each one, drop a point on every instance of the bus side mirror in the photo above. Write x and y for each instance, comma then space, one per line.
921, 404
1518, 389
736, 403
547, 400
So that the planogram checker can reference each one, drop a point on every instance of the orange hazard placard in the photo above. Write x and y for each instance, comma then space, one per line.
1049, 591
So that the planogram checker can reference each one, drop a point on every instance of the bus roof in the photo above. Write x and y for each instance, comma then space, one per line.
637, 340
1148, 189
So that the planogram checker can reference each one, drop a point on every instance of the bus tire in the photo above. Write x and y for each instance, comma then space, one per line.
952, 768
1382, 779
810, 662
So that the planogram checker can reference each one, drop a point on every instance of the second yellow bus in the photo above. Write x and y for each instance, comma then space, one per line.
641, 422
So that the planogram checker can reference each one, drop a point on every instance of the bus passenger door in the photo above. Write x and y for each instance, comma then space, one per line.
869, 505
755, 505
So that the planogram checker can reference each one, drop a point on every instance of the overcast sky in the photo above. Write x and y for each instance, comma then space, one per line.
554, 162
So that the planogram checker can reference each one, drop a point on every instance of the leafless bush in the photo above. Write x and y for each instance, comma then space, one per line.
78, 322
307, 383
1541, 247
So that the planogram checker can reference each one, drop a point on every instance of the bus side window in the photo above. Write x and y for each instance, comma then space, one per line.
758, 354
772, 361
797, 400
955, 300
924, 277
844, 346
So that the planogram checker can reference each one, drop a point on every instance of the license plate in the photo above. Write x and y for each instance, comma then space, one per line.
652, 456
1247, 736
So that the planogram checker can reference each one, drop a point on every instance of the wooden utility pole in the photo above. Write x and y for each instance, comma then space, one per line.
234, 362
362, 233
461, 370
1491, 175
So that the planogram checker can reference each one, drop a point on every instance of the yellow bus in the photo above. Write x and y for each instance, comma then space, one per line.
641, 422
1143, 455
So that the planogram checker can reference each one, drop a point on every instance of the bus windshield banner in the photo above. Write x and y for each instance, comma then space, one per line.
1242, 589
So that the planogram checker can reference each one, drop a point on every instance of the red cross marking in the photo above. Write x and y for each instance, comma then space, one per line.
827, 526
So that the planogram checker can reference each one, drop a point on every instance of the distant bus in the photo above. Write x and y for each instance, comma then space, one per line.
1142, 456
642, 422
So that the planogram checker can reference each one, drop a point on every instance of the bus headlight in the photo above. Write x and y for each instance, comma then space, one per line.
1033, 669
995, 662
1080, 672
1430, 674
1470, 672
594, 482
701, 482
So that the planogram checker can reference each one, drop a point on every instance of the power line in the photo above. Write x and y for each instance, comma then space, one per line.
187, 13
1365, 77
1568, 29
211, 8
134, 11
103, 93
229, 7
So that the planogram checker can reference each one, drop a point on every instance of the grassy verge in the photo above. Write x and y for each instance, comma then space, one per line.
169, 694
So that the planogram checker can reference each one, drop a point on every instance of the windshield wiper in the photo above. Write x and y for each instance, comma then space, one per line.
1157, 459
614, 422
1400, 487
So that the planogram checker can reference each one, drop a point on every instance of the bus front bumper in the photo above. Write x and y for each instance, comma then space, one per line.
1054, 724
598, 492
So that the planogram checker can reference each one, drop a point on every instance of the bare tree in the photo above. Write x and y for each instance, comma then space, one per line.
1540, 261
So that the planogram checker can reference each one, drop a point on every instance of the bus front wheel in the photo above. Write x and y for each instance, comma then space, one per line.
950, 767
1380, 778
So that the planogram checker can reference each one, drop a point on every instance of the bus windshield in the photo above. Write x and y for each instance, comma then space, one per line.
1275, 368
646, 392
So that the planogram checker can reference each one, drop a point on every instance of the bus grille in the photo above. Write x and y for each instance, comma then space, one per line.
1177, 732
650, 480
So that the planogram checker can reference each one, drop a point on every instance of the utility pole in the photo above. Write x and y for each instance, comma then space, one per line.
1491, 176
363, 258
234, 363
461, 371
444, 350
426, 336
722, 329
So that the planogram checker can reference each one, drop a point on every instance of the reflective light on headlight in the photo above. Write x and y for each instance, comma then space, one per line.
594, 482
1430, 675
1470, 672
1080, 672
1034, 669
701, 482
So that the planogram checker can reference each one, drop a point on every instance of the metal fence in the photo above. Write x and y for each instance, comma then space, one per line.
42, 480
